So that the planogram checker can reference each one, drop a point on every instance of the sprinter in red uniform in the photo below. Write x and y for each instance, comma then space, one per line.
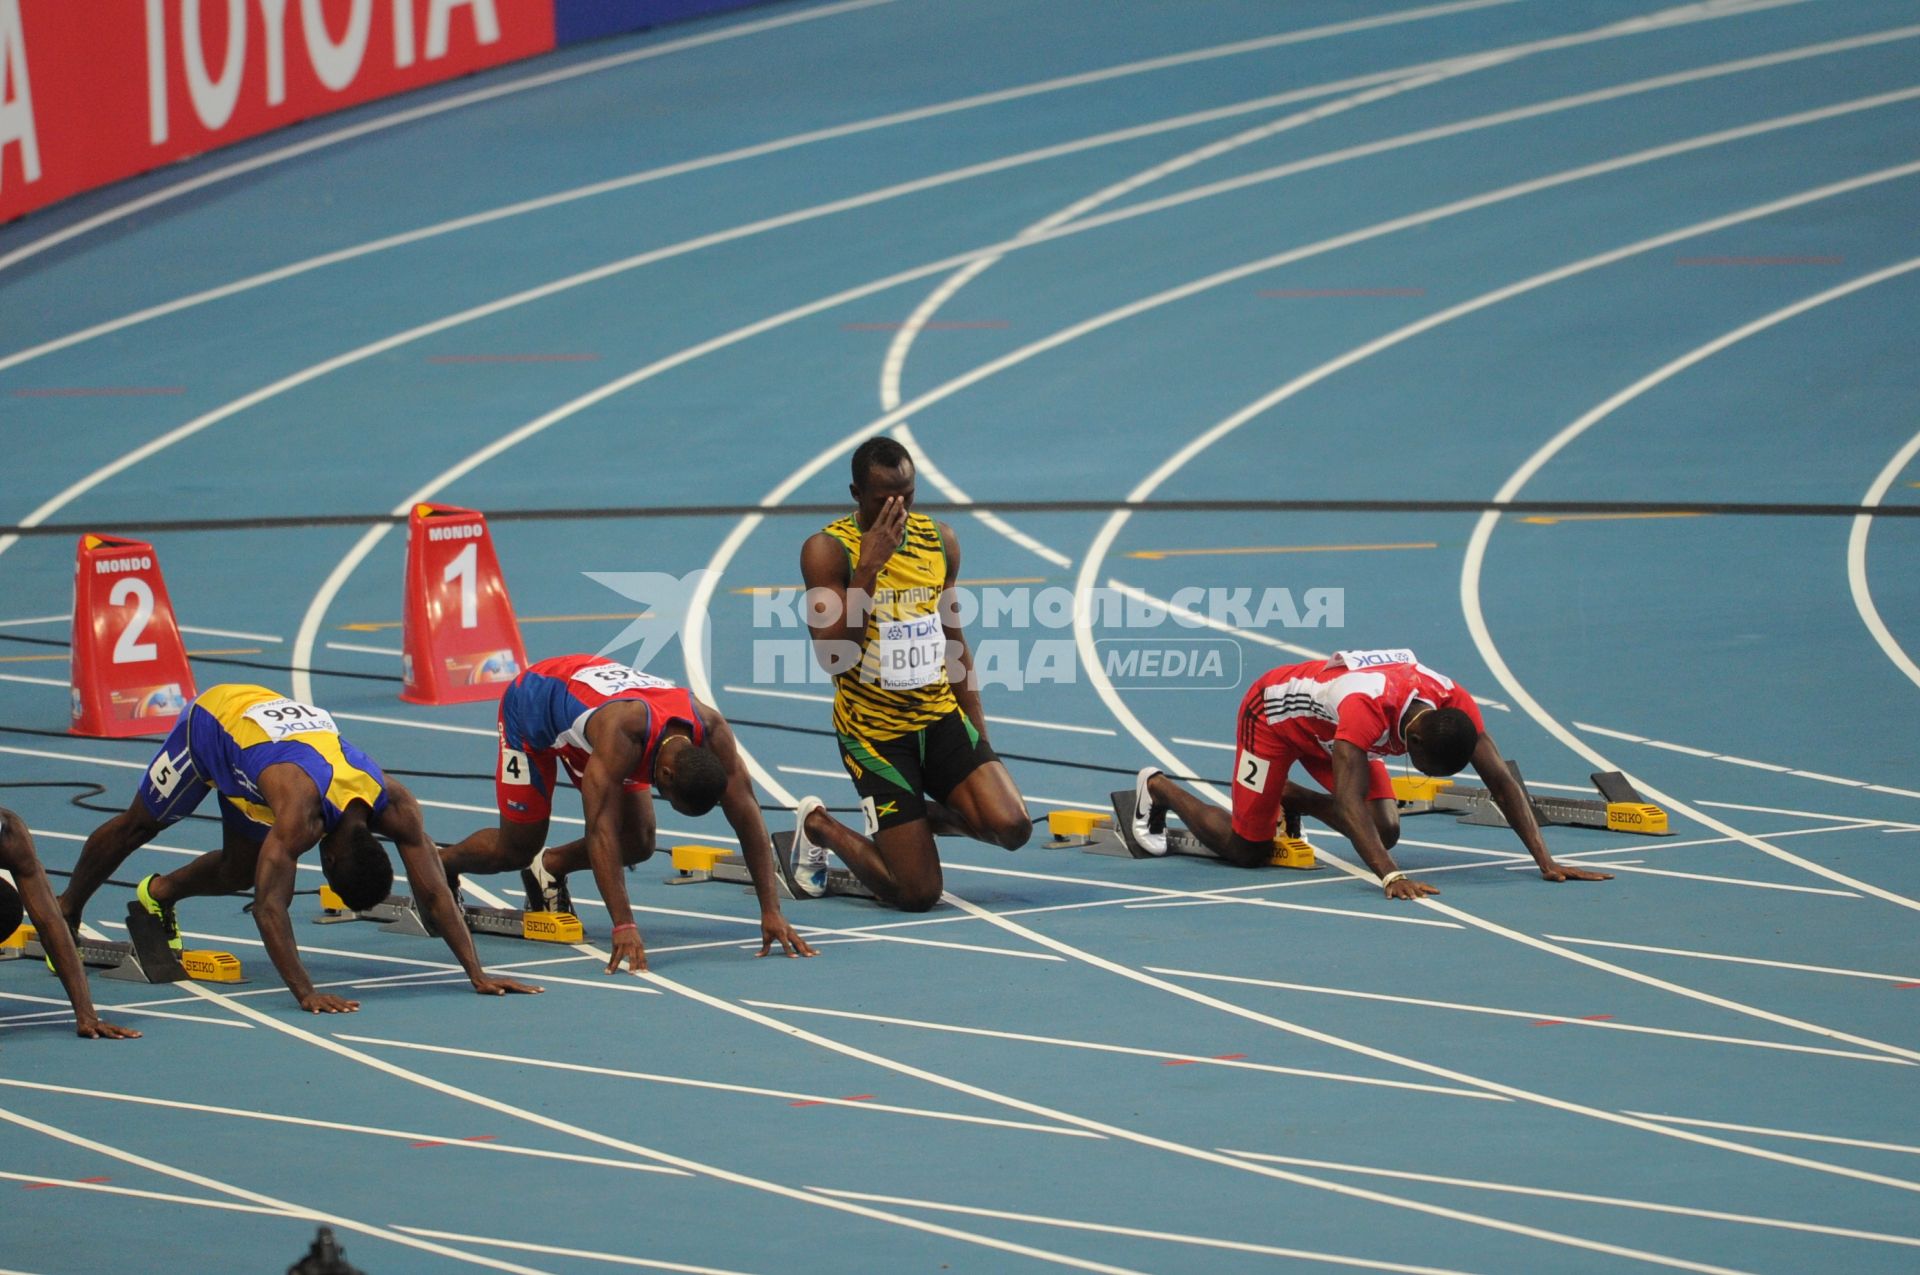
1338, 717
618, 732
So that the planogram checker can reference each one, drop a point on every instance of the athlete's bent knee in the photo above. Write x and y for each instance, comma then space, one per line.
1011, 832
1242, 853
917, 899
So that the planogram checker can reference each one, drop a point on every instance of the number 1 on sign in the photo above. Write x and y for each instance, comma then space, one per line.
465, 568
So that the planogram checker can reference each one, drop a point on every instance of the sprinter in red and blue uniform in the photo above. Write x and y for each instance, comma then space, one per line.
620, 735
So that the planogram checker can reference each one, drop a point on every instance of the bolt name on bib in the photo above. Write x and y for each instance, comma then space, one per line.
913, 653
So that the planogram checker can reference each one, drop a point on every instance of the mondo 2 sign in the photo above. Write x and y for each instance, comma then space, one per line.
95, 90
130, 674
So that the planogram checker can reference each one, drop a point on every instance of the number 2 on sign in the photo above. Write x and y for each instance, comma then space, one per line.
130, 649
465, 568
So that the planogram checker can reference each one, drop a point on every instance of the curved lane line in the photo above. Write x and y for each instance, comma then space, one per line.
1483, 532
1857, 563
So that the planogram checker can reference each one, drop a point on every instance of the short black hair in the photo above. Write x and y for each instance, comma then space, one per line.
10, 909
878, 452
1448, 738
357, 867
699, 780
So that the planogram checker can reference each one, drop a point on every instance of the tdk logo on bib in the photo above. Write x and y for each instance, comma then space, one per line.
1375, 659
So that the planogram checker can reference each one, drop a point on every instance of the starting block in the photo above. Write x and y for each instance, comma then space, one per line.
1098, 832
401, 915
143, 958
693, 864
1620, 808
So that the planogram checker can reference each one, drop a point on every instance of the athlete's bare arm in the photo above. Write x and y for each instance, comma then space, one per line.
959, 654
297, 827
43, 910
840, 595
1351, 771
618, 733
1511, 798
401, 823
742, 809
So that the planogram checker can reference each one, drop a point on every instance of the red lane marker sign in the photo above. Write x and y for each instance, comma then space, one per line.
129, 673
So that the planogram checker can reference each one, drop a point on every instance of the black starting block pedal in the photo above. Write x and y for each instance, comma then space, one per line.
143, 958
399, 914
693, 864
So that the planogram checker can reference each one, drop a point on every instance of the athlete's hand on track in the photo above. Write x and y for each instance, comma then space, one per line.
889, 530
322, 1003
487, 985
95, 1029
778, 930
626, 947
1554, 871
1408, 888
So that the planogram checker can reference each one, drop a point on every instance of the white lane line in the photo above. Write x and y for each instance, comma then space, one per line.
1200, 1153
1204, 743
1197, 617
770, 694
80, 757
401, 721
555, 1250
393, 651
1431, 1069
1556, 1019
775, 146
255, 1197
1738, 960
1691, 751
1714, 880
66, 1011
33, 681
397, 118
897, 353
516, 1112
37, 619
1140, 1233
1900, 1147
1475, 559
812, 772
1161, 1055
688, 1082
448, 1140
231, 633
1856, 820
164, 1197
1857, 582
1582, 1197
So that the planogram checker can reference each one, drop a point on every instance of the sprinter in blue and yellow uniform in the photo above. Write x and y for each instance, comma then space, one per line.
286, 781
905, 704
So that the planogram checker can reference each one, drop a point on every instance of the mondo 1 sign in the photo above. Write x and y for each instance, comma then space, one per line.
461, 641
130, 674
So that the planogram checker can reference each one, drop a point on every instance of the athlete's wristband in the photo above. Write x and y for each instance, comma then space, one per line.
1391, 877
628, 926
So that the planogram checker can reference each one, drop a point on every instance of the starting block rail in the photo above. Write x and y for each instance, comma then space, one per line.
399, 914
143, 958
1620, 807
1098, 832
694, 864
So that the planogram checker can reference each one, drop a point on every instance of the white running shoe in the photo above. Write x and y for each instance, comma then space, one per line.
808, 860
1149, 824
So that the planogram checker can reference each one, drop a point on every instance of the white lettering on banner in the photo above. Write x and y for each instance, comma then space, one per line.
336, 64
283, 717
214, 98
274, 14
16, 94
486, 23
468, 531
114, 566
611, 679
156, 72
1374, 659
912, 652
403, 34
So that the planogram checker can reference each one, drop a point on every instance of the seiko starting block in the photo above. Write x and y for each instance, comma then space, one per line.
143, 958
694, 864
1620, 807
1098, 832
401, 915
